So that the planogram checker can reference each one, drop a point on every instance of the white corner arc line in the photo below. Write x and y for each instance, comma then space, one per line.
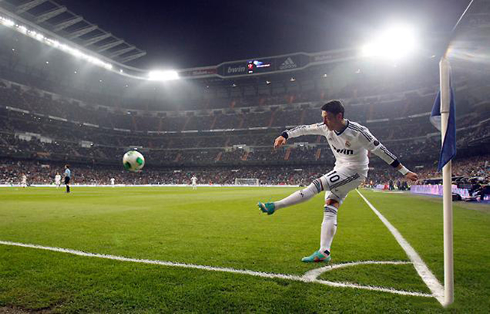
424, 272
219, 269
314, 273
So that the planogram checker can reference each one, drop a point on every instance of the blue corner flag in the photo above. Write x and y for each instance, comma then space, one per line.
448, 150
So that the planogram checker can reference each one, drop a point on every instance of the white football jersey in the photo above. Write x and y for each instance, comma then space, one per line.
57, 178
350, 146
194, 180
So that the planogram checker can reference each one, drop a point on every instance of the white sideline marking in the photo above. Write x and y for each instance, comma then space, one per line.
305, 278
424, 272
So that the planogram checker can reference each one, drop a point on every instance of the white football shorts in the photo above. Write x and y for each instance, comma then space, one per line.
338, 183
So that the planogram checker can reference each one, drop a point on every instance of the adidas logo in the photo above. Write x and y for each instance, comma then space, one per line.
288, 64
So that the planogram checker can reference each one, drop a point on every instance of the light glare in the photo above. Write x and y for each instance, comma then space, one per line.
163, 75
396, 42
7, 22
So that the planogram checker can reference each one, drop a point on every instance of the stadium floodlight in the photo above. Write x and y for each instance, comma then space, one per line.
54, 43
22, 29
163, 75
39, 36
396, 42
7, 22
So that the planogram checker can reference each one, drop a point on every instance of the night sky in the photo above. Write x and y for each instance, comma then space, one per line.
183, 34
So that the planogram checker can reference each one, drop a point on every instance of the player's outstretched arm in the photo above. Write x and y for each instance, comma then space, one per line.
313, 129
374, 146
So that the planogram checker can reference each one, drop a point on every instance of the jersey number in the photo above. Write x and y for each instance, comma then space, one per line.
333, 177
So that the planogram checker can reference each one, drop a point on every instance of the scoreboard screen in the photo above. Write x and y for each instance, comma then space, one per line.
257, 66
266, 65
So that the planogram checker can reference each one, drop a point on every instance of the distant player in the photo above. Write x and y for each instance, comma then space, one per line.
194, 182
350, 143
57, 180
67, 178
113, 181
24, 181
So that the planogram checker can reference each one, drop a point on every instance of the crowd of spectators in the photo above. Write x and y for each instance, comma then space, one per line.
473, 167
464, 170
43, 172
38, 102
96, 137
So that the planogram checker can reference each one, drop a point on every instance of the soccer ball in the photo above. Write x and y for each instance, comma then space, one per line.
133, 161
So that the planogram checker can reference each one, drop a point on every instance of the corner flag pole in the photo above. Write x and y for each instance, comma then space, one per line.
445, 93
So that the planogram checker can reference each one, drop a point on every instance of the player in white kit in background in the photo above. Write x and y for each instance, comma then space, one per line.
113, 181
350, 143
24, 181
57, 180
194, 182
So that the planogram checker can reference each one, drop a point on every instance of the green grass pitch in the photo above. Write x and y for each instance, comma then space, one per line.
222, 227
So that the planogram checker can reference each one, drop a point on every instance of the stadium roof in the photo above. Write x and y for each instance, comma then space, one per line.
51, 16
87, 41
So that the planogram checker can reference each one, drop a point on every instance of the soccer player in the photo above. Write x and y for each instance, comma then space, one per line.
194, 182
113, 181
67, 177
24, 180
350, 143
57, 180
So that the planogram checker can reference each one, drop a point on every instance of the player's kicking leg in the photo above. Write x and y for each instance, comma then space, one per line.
318, 185
337, 183
297, 197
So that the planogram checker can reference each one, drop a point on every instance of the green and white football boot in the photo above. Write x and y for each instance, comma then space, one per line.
317, 257
268, 208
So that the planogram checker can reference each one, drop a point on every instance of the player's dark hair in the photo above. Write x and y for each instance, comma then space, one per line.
67, 166
334, 107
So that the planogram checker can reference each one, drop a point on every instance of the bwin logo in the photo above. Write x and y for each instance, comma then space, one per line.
344, 151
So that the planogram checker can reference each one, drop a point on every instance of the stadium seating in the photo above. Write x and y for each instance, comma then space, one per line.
72, 130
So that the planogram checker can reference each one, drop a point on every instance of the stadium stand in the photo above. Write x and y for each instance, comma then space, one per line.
75, 113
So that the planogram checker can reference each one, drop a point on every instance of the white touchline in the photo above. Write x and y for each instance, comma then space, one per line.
424, 272
308, 277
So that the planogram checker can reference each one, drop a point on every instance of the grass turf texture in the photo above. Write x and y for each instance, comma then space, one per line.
222, 227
